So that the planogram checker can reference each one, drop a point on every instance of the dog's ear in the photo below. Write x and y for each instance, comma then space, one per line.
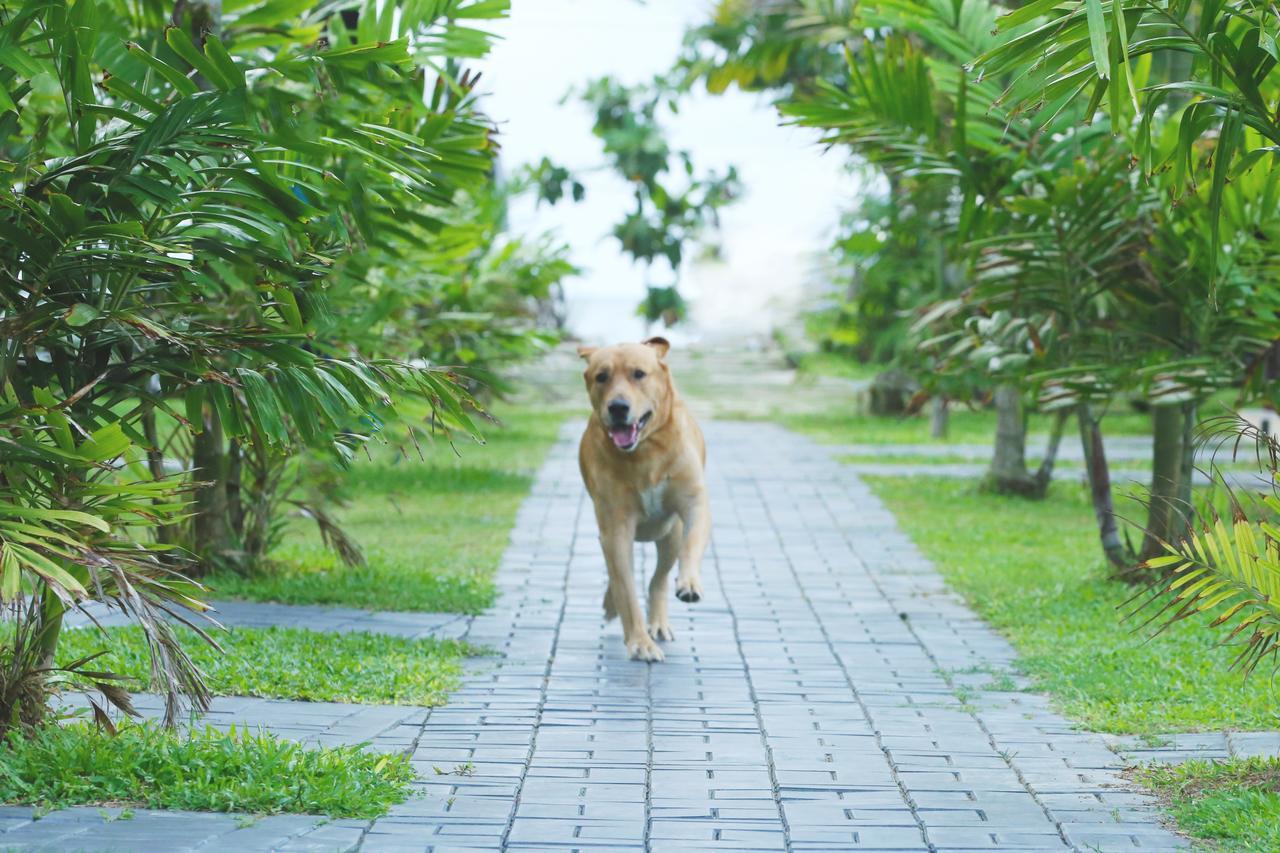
662, 345
586, 352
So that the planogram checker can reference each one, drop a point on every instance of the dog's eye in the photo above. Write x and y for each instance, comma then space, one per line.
639, 374
602, 376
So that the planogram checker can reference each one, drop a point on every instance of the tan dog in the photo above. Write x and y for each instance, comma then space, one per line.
642, 457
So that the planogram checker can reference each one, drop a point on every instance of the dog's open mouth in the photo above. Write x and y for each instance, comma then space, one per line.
627, 436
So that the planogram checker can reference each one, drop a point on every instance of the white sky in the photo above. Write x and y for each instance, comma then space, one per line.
772, 236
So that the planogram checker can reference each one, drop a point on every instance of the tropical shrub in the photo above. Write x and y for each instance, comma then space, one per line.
1226, 568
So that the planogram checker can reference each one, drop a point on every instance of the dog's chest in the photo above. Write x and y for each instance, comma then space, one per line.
653, 501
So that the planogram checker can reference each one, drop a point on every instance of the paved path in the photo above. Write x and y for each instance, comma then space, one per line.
383, 728
341, 620
1195, 746
1121, 448
808, 703
1245, 481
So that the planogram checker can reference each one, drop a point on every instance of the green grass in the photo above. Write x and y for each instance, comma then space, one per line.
290, 663
1234, 804
1034, 570
433, 530
205, 770
967, 426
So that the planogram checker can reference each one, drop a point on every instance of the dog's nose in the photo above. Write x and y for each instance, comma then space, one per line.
618, 409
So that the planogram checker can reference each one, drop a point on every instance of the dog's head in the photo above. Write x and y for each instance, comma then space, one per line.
630, 388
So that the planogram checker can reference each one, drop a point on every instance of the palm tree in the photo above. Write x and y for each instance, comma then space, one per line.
1212, 65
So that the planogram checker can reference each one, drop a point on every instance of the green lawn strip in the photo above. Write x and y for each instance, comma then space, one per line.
1235, 804
203, 770
433, 531
1034, 571
292, 663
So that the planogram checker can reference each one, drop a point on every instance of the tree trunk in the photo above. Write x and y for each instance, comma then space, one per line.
235, 490
211, 534
1008, 472
891, 392
1164, 515
51, 612
1190, 417
155, 463
938, 417
1095, 456
1044, 474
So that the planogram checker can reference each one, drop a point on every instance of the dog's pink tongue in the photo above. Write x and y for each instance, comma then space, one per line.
624, 436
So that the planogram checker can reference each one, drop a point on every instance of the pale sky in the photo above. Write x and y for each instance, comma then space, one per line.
773, 237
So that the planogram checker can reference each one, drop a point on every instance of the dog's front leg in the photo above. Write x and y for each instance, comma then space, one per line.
668, 553
618, 542
696, 516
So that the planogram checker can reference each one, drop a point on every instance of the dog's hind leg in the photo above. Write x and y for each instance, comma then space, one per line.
668, 551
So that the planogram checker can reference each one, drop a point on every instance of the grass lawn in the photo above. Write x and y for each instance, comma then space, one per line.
433, 530
144, 765
1235, 804
290, 663
1035, 571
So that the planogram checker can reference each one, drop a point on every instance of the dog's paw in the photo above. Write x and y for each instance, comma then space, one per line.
645, 649
660, 629
689, 591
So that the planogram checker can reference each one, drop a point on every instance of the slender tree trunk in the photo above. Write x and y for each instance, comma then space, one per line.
939, 419
1164, 516
155, 463
211, 535
51, 612
1099, 474
1044, 474
1190, 417
1008, 472
235, 490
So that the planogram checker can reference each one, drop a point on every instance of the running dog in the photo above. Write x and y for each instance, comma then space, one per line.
642, 457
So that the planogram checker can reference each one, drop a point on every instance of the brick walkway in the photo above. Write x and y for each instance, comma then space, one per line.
827, 694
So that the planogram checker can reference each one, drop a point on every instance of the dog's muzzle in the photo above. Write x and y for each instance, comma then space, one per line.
627, 436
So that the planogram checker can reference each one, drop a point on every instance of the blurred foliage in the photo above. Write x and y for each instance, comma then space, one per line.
675, 206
